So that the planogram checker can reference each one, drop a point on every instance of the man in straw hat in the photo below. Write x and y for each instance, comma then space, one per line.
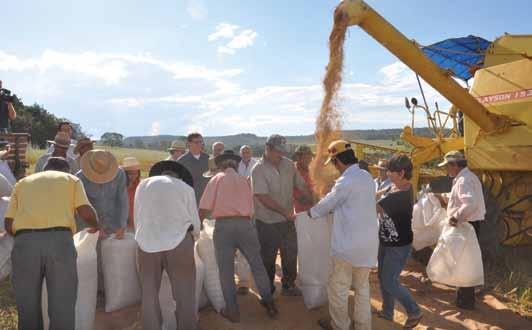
167, 223
61, 144
382, 181
65, 127
229, 199
41, 217
106, 184
197, 162
273, 180
465, 203
176, 150
354, 238
106, 187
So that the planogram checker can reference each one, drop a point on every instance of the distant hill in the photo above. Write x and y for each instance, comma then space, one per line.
162, 142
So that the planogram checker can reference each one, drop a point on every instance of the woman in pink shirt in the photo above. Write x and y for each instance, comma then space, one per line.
229, 199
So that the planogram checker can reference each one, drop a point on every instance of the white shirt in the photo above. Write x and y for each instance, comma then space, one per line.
165, 208
70, 150
382, 184
466, 199
244, 170
355, 228
5, 170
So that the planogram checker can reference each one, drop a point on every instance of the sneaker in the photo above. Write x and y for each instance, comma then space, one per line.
271, 310
292, 291
231, 317
413, 321
325, 324
242, 291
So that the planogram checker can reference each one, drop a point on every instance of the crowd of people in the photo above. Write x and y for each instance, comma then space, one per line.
254, 203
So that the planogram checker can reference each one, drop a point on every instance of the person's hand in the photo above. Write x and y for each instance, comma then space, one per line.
102, 234
92, 230
453, 221
119, 234
290, 215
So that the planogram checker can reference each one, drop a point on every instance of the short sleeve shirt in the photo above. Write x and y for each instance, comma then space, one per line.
279, 183
45, 200
395, 224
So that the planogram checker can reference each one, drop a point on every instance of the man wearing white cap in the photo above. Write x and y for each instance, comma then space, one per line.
465, 203
61, 145
176, 150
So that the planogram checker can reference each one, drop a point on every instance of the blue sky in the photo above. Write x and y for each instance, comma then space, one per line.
143, 67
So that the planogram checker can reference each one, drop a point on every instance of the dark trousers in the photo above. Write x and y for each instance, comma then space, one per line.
465, 297
50, 256
274, 237
230, 235
180, 266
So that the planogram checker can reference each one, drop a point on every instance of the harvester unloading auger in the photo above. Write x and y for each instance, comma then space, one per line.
497, 135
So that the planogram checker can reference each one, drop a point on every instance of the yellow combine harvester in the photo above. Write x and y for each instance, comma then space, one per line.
497, 125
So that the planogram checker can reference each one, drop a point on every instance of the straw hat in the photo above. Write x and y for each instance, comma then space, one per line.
99, 166
130, 163
213, 169
177, 145
382, 165
61, 140
175, 167
452, 157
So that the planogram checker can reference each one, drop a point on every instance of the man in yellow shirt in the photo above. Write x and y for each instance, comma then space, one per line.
41, 217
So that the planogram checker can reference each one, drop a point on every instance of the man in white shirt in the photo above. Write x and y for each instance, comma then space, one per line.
465, 203
246, 164
166, 224
354, 241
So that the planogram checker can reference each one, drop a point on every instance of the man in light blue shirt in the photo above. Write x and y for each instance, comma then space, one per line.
354, 240
106, 187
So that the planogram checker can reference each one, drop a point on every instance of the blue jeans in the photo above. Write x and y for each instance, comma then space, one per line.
392, 260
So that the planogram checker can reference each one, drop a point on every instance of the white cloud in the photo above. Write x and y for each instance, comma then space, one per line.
111, 68
223, 31
155, 128
196, 9
238, 40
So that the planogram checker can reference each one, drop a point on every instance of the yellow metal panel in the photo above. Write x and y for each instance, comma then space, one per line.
505, 89
508, 48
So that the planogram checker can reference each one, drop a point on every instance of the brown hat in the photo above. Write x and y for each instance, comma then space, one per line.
99, 166
83, 142
61, 140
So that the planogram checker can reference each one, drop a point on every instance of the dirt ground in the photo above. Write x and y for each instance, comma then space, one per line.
436, 302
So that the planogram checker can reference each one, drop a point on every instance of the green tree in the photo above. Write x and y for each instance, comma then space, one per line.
112, 139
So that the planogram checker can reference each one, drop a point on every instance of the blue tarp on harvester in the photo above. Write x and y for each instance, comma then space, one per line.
460, 55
